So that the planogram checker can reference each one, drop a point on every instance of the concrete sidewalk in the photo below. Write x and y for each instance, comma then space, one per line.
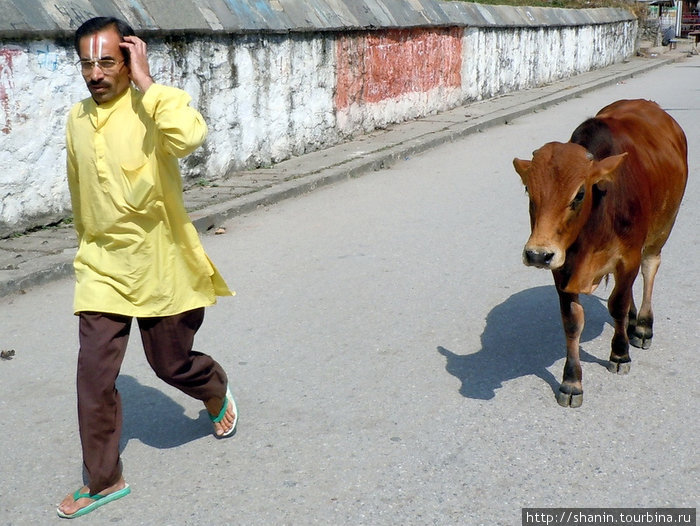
47, 254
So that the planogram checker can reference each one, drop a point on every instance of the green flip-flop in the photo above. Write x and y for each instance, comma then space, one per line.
98, 500
218, 418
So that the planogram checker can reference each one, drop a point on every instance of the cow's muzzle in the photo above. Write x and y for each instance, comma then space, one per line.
541, 258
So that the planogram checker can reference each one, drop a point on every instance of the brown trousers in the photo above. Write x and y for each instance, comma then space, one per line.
167, 342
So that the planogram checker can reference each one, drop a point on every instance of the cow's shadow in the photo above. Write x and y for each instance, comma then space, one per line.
156, 419
523, 336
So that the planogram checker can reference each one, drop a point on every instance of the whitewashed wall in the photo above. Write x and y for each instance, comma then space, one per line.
38, 83
497, 61
266, 97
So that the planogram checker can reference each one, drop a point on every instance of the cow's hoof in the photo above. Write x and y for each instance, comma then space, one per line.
619, 367
640, 342
569, 399
640, 334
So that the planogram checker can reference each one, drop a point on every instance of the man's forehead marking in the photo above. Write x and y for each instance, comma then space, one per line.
96, 43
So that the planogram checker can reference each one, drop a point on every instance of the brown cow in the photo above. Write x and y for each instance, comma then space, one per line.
604, 203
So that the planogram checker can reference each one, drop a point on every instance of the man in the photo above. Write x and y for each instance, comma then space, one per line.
138, 255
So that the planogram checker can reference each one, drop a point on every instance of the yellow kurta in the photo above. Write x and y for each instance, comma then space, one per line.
138, 253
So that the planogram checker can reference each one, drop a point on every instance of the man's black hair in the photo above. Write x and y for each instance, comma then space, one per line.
92, 26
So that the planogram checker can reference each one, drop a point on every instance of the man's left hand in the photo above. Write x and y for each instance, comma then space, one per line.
140, 72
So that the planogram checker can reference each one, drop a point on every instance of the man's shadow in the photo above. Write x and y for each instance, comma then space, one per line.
523, 336
155, 419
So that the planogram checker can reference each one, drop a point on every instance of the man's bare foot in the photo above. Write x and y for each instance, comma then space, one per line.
69, 505
225, 425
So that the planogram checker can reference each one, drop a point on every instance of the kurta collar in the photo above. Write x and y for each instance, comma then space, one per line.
100, 113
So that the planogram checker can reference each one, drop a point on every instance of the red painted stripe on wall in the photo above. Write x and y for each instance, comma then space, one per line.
376, 66
7, 88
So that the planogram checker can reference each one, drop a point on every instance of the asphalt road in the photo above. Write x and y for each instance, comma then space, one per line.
393, 361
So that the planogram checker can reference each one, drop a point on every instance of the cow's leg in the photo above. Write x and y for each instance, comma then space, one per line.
571, 389
639, 329
619, 305
631, 319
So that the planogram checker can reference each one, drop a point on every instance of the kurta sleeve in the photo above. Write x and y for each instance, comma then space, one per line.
73, 182
182, 127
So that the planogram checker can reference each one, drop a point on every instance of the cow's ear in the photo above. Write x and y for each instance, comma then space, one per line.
605, 169
522, 167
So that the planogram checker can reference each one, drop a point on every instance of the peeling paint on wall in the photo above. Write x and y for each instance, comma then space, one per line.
383, 77
8, 102
384, 65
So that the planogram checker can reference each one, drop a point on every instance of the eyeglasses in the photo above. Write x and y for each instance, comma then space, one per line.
107, 65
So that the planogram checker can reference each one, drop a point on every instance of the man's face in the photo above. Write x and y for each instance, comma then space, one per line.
105, 83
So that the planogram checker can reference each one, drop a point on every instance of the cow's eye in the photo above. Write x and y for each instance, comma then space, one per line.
578, 198
526, 191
